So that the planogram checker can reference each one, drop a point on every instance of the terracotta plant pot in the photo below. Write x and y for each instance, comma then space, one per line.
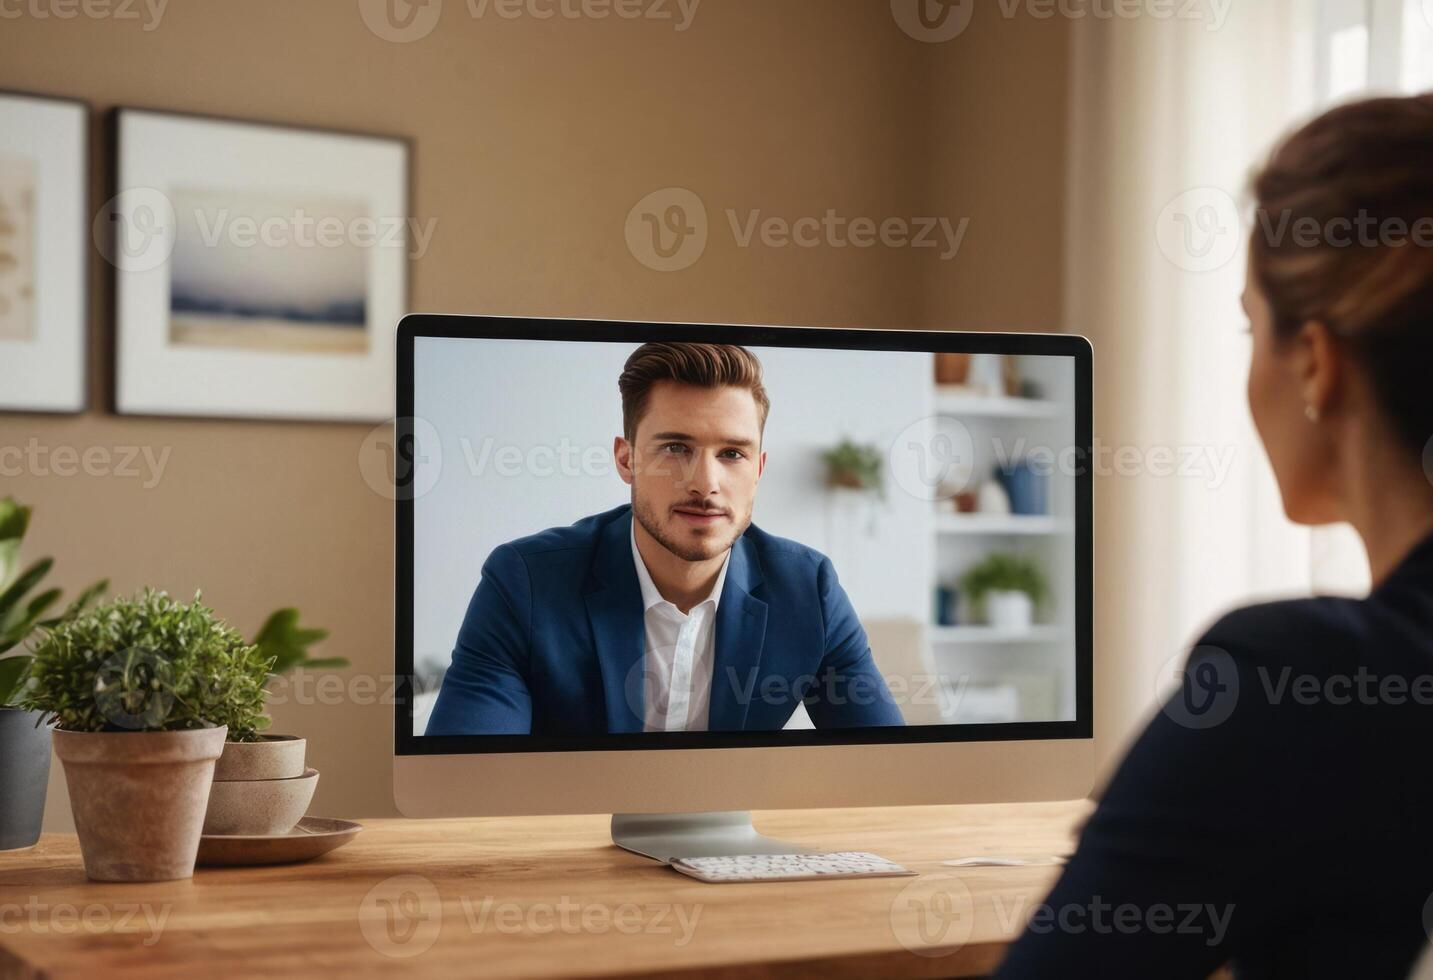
139, 799
951, 369
24, 776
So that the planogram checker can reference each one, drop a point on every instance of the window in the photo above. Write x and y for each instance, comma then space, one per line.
1371, 46
1364, 47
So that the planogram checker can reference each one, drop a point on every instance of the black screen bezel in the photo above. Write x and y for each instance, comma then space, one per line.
455, 326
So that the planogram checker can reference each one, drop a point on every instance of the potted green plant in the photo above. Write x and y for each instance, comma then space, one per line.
143, 690
262, 785
24, 741
854, 467
1005, 589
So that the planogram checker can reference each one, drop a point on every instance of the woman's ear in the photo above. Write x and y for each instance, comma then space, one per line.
1318, 365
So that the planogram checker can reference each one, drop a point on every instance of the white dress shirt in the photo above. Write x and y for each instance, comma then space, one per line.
680, 654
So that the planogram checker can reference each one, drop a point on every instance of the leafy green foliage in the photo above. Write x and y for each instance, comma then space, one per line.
14, 520
852, 465
1004, 572
20, 613
148, 663
157, 659
283, 641
11, 670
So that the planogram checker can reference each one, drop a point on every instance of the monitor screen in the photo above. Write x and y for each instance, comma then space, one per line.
641, 536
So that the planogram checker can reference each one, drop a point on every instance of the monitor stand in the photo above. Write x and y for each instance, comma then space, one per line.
720, 833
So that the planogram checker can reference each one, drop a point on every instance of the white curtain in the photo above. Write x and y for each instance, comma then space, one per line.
1168, 119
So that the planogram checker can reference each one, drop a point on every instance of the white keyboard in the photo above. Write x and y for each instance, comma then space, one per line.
789, 867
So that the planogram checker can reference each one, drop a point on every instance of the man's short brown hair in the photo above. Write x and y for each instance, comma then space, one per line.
702, 365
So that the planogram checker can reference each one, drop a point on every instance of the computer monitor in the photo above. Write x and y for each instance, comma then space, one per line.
661, 570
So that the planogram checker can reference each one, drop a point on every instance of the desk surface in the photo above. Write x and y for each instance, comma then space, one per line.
546, 896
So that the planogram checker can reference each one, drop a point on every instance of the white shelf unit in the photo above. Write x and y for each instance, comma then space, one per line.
955, 635
1038, 665
1001, 524
958, 401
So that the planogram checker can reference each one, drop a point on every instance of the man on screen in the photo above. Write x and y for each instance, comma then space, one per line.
673, 613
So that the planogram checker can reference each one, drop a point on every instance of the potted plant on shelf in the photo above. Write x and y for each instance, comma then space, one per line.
24, 741
262, 785
143, 690
1006, 588
854, 467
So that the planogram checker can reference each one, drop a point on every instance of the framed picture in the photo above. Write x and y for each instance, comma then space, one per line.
44, 231
260, 271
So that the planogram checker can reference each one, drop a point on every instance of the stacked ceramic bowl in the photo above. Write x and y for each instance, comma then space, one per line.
261, 789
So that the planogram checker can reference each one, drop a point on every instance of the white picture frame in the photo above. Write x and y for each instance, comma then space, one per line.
232, 242
44, 249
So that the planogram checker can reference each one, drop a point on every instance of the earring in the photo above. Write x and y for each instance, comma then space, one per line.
1311, 413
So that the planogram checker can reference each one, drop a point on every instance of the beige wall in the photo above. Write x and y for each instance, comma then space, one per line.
997, 111
533, 139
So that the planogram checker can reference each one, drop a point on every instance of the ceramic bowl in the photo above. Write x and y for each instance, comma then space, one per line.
271, 757
255, 807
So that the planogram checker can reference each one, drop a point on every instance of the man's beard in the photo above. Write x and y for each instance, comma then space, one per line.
647, 517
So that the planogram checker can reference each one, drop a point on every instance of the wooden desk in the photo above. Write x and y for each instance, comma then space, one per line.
545, 896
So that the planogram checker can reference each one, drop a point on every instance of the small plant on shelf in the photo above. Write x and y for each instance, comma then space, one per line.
855, 467
1005, 588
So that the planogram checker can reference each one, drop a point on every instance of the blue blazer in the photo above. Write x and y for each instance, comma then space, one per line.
554, 640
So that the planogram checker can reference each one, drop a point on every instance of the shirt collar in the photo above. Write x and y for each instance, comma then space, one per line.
652, 597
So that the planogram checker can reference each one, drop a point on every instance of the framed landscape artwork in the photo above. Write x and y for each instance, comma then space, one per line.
44, 233
260, 270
